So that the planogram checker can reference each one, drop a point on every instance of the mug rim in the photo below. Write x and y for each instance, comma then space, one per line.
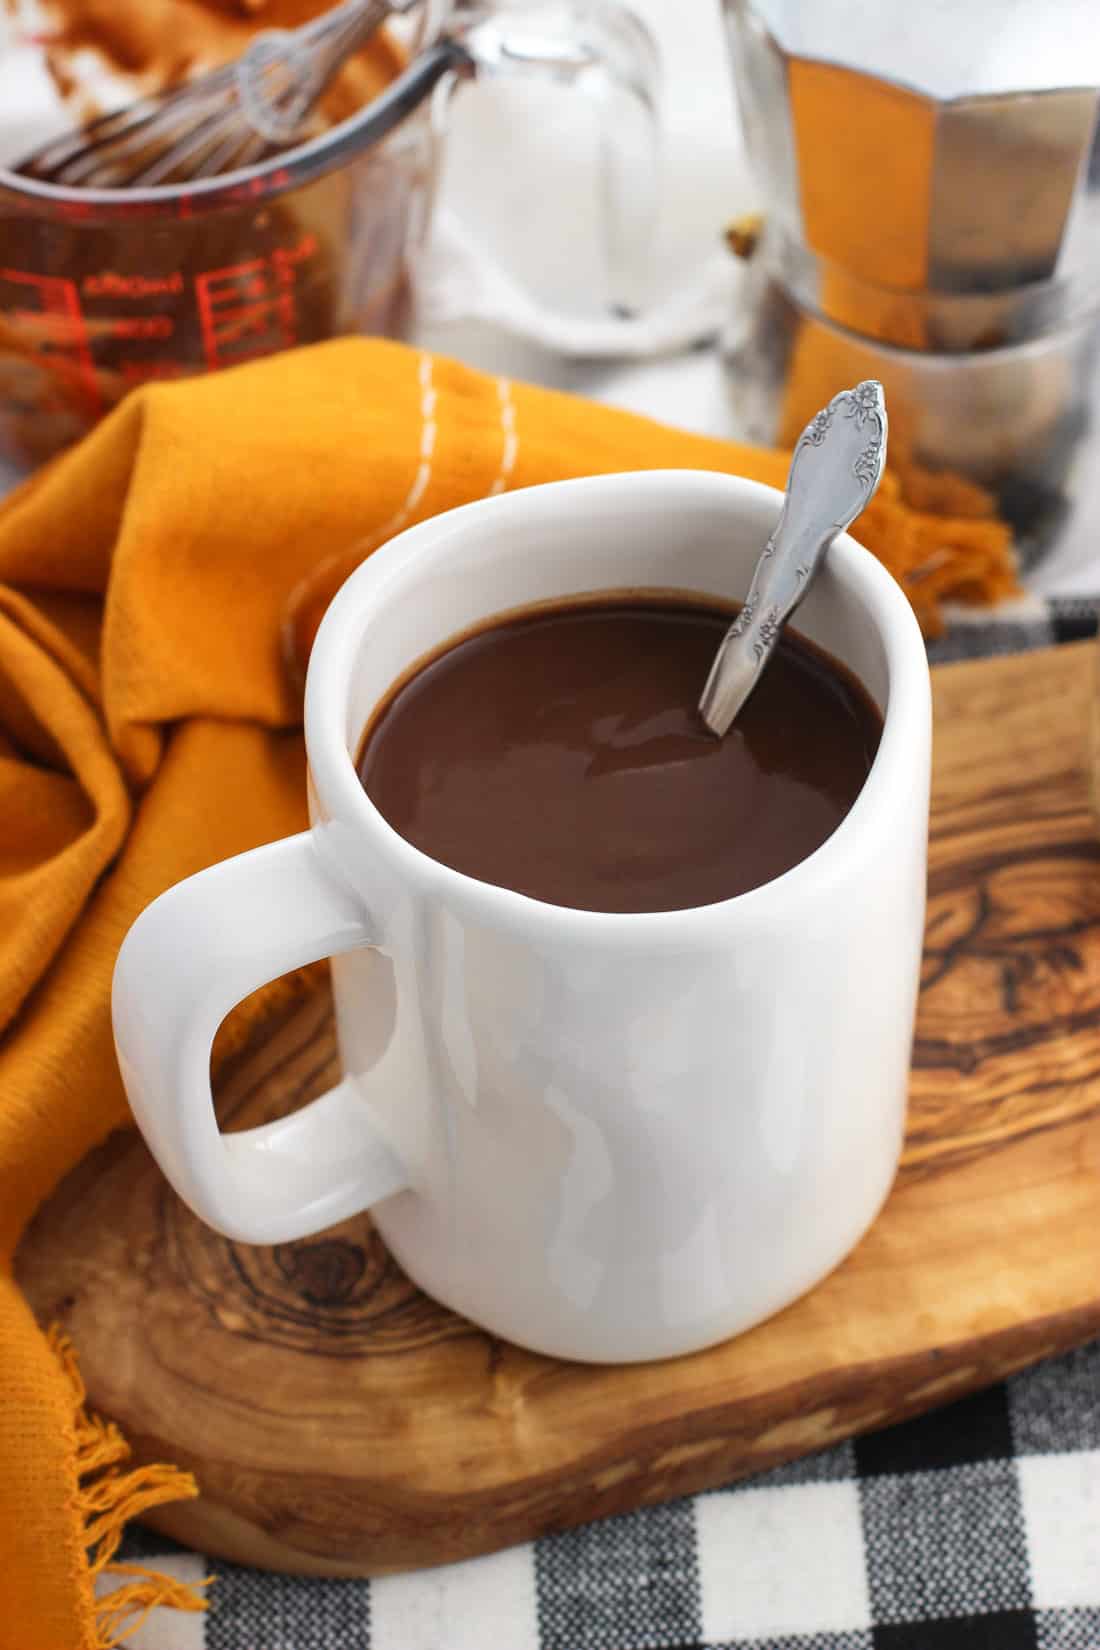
334, 778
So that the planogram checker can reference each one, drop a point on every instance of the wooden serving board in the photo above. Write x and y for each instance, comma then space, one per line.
340, 1422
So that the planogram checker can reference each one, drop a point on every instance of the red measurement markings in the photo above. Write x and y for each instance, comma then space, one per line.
112, 283
136, 326
142, 372
55, 325
248, 310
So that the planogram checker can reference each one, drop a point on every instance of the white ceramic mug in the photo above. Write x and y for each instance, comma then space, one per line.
606, 1137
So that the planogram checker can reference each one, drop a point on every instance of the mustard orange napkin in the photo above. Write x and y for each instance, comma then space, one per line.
148, 726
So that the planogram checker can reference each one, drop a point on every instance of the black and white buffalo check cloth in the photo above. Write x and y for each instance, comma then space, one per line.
973, 1528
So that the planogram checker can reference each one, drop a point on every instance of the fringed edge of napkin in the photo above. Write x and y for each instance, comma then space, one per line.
108, 1492
108, 1495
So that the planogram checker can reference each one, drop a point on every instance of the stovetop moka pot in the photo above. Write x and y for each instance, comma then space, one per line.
931, 180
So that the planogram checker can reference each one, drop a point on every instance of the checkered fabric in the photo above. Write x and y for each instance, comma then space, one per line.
1030, 623
973, 1528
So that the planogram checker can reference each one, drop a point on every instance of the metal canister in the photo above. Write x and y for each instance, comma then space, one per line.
931, 178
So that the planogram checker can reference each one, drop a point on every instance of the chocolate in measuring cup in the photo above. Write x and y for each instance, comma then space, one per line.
102, 290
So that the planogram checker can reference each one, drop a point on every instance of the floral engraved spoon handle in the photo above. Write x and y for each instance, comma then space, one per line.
836, 467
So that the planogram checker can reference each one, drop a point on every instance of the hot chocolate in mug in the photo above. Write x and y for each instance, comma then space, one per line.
605, 1137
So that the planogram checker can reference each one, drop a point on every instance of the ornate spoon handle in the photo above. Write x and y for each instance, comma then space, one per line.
834, 472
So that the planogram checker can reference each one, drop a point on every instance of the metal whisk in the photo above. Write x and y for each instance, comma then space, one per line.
230, 117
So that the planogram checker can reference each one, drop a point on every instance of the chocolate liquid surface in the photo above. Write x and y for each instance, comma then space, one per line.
560, 753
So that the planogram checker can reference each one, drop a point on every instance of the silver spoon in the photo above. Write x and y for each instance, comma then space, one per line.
836, 467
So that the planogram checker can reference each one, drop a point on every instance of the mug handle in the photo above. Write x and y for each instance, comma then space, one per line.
603, 49
194, 953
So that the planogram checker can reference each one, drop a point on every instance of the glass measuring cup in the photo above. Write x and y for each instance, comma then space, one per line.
102, 290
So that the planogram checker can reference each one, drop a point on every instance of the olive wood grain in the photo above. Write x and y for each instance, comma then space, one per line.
340, 1422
